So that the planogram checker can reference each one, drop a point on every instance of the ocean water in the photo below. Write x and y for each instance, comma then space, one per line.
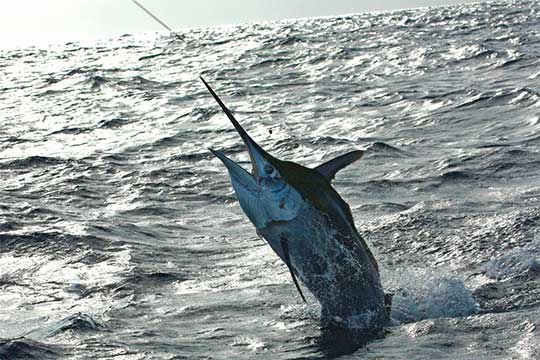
121, 237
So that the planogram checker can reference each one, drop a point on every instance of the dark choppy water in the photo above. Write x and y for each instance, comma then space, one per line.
120, 235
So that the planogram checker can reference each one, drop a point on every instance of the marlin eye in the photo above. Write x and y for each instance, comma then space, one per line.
268, 169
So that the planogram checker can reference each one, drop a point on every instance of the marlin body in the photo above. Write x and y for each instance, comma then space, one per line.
311, 228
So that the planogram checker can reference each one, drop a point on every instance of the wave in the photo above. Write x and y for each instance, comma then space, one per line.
457, 176
203, 114
420, 295
138, 82
53, 244
151, 56
96, 82
504, 162
385, 207
73, 131
113, 123
287, 39
523, 97
77, 322
23, 348
515, 273
519, 262
377, 185
379, 148
33, 162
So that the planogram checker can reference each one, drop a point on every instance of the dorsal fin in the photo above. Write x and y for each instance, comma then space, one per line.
331, 167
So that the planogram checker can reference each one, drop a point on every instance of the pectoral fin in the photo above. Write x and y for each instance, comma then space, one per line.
331, 167
285, 247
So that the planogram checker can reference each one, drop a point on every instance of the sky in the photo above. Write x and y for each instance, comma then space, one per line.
24, 22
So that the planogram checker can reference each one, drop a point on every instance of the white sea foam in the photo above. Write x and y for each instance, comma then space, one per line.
427, 294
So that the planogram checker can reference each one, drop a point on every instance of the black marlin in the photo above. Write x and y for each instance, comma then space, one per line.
311, 228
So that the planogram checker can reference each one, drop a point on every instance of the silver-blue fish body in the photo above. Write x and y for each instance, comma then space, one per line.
311, 228
332, 263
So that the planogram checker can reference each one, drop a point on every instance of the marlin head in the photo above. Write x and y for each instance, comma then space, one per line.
263, 194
